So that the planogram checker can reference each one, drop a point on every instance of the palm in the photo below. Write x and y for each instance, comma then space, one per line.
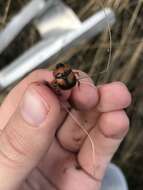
58, 170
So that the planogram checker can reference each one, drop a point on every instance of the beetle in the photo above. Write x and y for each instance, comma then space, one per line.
64, 77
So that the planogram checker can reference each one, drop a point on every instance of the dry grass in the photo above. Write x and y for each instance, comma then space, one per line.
126, 65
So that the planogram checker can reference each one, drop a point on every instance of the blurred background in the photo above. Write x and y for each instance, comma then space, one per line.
126, 65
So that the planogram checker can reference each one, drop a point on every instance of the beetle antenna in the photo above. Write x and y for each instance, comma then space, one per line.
86, 133
101, 3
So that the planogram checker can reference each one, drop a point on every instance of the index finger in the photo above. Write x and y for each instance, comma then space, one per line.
84, 95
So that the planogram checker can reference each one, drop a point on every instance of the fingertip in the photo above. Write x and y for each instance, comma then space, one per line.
114, 124
113, 96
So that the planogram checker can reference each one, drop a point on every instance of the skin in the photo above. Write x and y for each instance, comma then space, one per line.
57, 154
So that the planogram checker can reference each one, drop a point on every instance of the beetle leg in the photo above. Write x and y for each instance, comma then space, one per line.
54, 87
77, 77
76, 73
78, 83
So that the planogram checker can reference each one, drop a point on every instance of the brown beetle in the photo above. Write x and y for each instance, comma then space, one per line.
65, 78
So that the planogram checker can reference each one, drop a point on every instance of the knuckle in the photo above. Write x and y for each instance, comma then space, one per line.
13, 150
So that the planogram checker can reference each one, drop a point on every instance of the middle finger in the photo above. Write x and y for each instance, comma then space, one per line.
81, 118
78, 123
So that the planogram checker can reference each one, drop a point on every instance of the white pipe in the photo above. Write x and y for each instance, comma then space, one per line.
30, 11
43, 51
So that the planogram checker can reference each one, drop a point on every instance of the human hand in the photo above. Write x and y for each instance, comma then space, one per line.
42, 146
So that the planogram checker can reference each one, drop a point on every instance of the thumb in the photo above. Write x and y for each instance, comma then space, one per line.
28, 135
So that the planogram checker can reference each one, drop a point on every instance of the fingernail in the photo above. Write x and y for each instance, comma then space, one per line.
33, 108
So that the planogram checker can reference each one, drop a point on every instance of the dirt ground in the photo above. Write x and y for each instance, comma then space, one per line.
126, 65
